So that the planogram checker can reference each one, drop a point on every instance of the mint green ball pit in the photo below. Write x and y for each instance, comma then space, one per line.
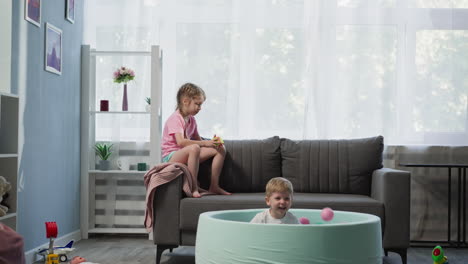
225, 237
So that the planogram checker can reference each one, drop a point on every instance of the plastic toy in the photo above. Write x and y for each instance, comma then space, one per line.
327, 214
438, 256
219, 141
304, 220
51, 234
58, 250
54, 255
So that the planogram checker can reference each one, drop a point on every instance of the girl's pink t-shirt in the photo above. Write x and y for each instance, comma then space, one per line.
176, 124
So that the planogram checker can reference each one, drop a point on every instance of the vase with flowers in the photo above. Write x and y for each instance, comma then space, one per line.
124, 75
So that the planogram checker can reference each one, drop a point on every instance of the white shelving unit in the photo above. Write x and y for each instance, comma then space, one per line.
9, 115
113, 201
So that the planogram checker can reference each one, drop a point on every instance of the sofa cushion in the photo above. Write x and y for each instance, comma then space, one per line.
342, 202
331, 166
248, 166
191, 208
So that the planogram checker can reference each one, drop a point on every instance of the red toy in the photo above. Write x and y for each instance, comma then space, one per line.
51, 234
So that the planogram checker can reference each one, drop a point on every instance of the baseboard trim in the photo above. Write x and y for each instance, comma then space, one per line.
59, 241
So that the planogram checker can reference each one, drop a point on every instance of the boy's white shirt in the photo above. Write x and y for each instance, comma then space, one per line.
265, 217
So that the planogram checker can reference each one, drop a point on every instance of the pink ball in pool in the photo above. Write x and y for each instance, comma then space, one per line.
304, 220
327, 214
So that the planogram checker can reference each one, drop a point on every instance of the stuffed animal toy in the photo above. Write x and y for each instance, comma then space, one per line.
4, 188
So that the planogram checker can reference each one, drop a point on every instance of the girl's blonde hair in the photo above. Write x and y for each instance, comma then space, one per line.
189, 90
278, 184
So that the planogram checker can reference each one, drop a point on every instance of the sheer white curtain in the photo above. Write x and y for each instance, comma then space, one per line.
305, 68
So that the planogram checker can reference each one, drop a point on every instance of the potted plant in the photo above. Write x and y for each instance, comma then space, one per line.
103, 150
148, 104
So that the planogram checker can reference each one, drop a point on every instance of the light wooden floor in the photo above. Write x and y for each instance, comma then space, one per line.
112, 249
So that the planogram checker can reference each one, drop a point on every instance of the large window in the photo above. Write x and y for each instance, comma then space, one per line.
309, 69
418, 63
440, 93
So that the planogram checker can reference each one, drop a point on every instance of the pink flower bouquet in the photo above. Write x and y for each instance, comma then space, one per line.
123, 75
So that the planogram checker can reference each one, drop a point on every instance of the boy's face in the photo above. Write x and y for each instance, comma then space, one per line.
193, 106
279, 203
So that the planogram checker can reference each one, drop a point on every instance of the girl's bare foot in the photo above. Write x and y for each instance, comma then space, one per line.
196, 194
219, 190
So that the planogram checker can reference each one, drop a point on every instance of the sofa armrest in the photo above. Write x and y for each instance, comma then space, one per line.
392, 187
166, 204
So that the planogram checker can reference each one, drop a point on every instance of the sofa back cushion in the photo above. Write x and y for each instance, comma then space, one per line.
331, 166
248, 166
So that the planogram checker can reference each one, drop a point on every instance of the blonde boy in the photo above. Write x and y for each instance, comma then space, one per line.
279, 195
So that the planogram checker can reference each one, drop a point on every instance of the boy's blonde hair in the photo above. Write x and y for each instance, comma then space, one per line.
189, 90
278, 184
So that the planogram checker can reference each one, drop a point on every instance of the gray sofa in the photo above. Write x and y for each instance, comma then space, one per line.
341, 174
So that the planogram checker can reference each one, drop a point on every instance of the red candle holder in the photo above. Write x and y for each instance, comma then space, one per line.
104, 105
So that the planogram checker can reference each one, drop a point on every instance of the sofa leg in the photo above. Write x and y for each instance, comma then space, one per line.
160, 249
400, 251
403, 255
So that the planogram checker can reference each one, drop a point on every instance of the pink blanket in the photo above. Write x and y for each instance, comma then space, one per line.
161, 174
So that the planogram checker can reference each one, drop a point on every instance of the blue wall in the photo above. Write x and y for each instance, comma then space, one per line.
49, 172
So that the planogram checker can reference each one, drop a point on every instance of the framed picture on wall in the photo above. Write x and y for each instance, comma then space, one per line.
70, 12
32, 11
53, 49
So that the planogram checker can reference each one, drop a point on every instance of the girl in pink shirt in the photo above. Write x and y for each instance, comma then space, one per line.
182, 143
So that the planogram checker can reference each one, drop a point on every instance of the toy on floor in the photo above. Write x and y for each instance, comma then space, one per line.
54, 255
51, 234
219, 141
438, 256
327, 214
5, 186
61, 251
304, 220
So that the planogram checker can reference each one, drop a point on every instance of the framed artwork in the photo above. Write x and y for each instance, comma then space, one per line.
70, 12
53, 49
32, 12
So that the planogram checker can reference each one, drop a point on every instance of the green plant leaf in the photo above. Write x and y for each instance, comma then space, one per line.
103, 150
